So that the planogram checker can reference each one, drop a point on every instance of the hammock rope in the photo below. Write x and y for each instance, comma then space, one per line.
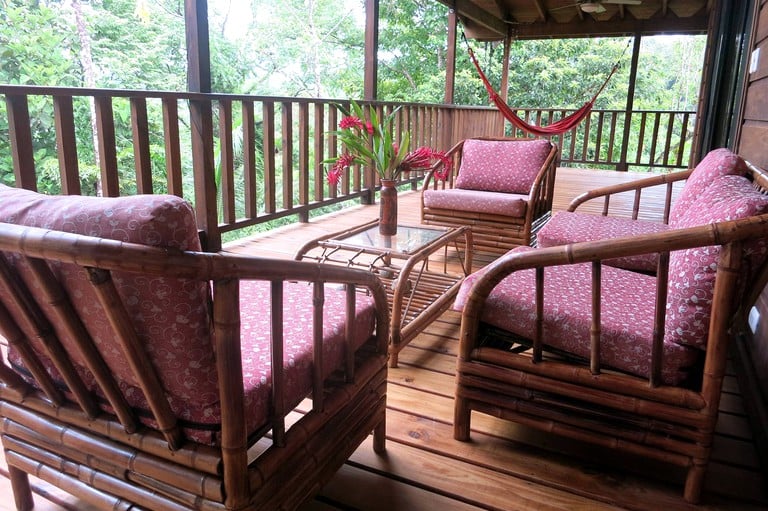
556, 128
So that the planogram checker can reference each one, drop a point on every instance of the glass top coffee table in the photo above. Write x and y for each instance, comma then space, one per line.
414, 264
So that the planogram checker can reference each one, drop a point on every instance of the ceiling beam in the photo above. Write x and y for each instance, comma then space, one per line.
470, 11
628, 26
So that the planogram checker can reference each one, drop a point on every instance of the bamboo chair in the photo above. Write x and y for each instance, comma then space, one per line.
501, 187
554, 339
159, 377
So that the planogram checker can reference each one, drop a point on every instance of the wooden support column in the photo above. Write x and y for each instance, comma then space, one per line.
370, 81
622, 165
201, 120
371, 69
450, 59
504, 87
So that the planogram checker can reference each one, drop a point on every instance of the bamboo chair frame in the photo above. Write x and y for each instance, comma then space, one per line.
607, 192
114, 461
491, 232
582, 401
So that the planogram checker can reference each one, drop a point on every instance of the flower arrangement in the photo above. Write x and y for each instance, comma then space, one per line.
366, 139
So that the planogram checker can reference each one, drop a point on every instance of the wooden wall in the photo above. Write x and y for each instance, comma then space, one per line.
752, 143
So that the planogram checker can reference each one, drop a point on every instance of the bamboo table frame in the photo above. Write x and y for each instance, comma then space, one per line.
417, 294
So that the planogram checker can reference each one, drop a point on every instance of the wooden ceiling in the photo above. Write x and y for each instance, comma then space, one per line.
533, 19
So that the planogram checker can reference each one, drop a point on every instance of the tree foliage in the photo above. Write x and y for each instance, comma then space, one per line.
311, 48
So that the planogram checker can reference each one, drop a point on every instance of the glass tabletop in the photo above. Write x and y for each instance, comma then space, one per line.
408, 239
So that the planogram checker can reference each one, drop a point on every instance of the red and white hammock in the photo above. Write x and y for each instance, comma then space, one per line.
566, 123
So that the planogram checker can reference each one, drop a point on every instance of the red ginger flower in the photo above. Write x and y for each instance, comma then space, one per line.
339, 167
350, 122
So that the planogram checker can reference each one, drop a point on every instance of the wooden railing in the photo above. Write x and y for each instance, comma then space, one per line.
658, 139
249, 161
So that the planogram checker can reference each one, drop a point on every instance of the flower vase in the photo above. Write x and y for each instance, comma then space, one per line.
388, 208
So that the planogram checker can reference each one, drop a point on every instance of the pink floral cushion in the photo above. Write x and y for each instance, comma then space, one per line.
718, 162
496, 203
627, 315
692, 272
508, 166
571, 227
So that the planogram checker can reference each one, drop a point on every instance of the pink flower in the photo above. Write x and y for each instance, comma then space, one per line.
350, 122
369, 127
423, 158
339, 167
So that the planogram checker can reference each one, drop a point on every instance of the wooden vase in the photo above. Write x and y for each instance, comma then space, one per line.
388, 208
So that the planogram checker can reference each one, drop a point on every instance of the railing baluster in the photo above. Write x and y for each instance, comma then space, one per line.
286, 109
105, 126
319, 126
268, 130
226, 162
21, 141
172, 146
66, 145
655, 137
641, 138
304, 156
140, 133
249, 161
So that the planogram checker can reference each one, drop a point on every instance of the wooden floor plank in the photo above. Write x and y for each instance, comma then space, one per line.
487, 488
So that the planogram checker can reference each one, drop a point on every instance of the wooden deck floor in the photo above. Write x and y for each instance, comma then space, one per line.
505, 466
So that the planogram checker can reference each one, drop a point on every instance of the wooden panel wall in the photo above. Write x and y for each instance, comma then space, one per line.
753, 145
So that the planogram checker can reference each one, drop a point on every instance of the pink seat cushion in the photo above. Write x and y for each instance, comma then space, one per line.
627, 315
571, 227
298, 352
718, 162
692, 272
508, 166
496, 203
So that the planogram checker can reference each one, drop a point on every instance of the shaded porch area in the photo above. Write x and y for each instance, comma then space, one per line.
506, 466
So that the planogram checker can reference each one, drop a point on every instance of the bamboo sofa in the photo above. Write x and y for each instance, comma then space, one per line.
556, 339
141, 373
501, 187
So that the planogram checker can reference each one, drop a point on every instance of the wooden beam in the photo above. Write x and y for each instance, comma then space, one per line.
450, 59
198, 46
470, 11
371, 70
620, 27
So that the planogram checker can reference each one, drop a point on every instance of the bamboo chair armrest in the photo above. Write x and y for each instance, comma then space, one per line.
635, 186
720, 233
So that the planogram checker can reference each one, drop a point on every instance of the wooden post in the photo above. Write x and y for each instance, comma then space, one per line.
622, 165
370, 85
450, 59
201, 120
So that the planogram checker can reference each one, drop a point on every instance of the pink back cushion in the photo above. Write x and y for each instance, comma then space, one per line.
171, 315
509, 166
692, 272
718, 162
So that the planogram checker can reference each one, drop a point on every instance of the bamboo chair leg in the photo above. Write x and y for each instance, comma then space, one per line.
694, 481
380, 437
461, 415
22, 492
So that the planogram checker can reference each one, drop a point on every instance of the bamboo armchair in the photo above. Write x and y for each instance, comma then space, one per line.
554, 339
150, 375
501, 187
